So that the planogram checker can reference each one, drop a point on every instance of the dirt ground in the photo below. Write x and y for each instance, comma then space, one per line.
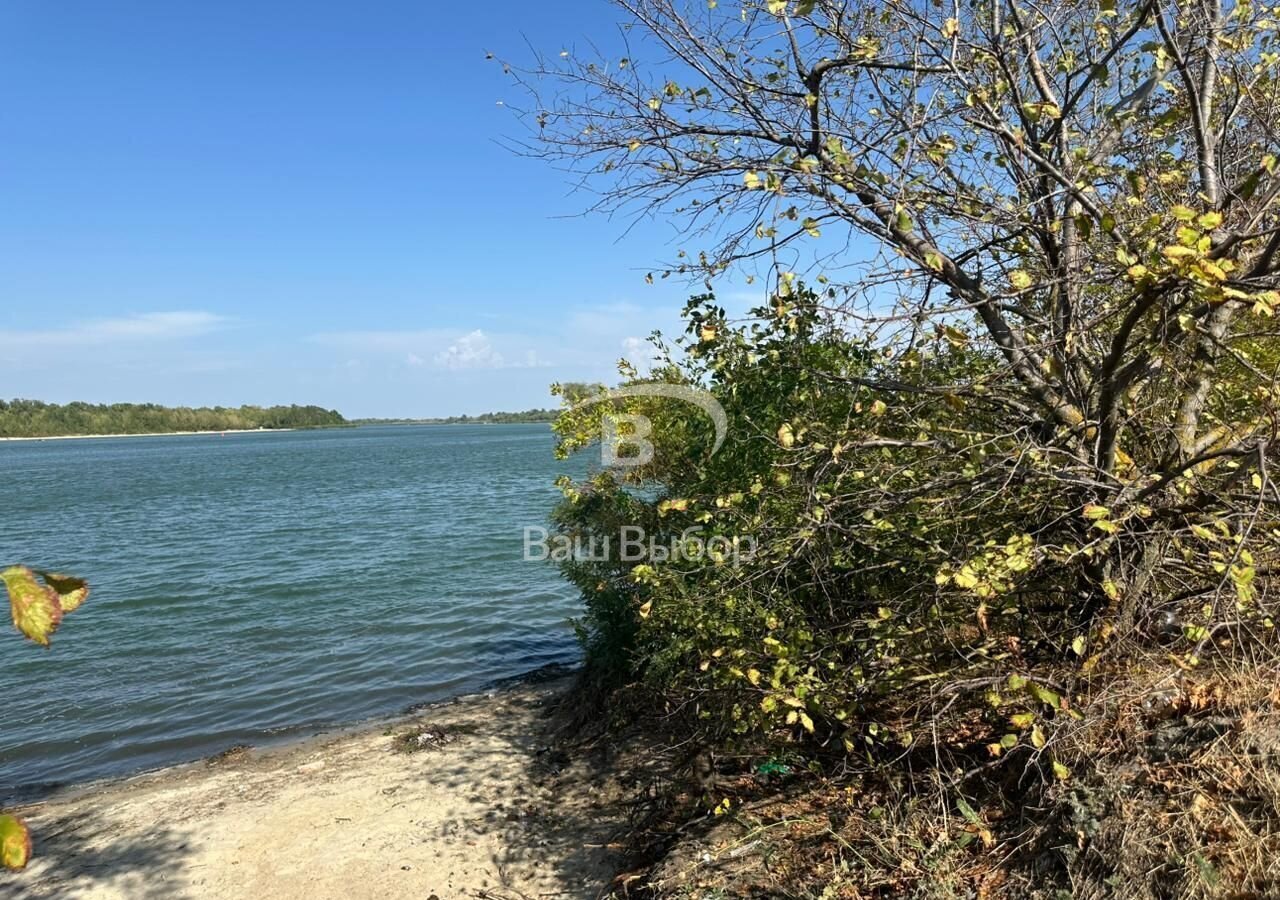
485, 806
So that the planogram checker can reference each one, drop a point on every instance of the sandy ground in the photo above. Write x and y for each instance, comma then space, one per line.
489, 810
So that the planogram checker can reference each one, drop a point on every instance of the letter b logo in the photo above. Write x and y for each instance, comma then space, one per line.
612, 441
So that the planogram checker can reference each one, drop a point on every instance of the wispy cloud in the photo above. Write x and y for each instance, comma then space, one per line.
639, 352
445, 349
471, 351
399, 343
145, 327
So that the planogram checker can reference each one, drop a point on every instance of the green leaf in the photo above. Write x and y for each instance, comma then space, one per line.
36, 610
15, 843
1207, 871
1045, 696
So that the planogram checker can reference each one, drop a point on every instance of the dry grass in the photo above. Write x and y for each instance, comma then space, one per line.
1174, 792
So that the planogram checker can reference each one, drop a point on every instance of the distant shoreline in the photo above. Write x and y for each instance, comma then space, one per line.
415, 422
79, 437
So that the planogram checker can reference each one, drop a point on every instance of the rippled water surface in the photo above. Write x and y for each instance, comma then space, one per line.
262, 584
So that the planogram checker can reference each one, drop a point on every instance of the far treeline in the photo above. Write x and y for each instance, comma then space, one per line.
31, 418
493, 418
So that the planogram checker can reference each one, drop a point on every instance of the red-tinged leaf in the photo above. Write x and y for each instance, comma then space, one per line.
15, 843
36, 610
71, 591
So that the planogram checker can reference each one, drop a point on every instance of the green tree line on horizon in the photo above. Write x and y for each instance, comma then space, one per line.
489, 418
33, 418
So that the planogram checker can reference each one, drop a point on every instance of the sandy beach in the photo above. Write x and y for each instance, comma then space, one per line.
484, 804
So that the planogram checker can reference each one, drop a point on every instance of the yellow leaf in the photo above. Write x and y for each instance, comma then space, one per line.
786, 437
950, 28
1020, 279
753, 675
1212, 269
71, 591
15, 843
35, 608
646, 608
1210, 220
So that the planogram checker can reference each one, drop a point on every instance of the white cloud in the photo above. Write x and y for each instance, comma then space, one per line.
471, 351
638, 352
399, 343
150, 327
414, 360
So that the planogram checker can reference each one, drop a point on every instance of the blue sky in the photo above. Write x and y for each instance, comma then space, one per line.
248, 202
